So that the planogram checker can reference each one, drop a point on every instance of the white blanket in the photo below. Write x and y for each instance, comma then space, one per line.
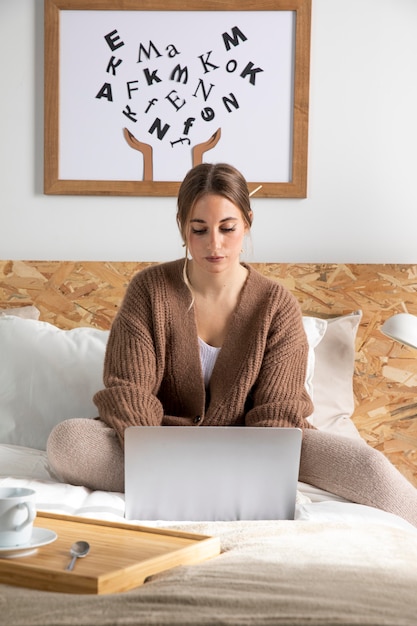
337, 563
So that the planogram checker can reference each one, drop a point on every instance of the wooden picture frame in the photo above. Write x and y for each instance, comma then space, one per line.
78, 137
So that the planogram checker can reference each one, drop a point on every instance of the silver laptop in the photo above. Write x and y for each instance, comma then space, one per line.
211, 473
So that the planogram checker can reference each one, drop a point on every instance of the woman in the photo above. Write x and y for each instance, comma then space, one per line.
208, 341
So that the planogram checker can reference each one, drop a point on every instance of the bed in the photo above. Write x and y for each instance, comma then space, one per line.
336, 563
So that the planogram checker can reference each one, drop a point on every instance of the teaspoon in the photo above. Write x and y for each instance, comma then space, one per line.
77, 551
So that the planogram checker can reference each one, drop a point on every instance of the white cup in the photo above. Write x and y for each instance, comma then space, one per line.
17, 512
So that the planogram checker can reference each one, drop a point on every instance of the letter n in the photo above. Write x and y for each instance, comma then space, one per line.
160, 132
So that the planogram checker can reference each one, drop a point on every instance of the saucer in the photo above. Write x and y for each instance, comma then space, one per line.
40, 537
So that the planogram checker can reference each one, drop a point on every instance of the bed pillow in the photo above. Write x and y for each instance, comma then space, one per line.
46, 375
333, 376
29, 312
315, 329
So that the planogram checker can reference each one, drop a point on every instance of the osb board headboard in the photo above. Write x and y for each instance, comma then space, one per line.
71, 294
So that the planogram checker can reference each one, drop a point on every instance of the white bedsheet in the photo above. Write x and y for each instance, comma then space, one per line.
27, 467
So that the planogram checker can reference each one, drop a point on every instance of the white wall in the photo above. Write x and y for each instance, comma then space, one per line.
362, 191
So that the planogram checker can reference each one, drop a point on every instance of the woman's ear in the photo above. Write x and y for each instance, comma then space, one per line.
250, 215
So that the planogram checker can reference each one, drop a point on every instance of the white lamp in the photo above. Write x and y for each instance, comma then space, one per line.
401, 327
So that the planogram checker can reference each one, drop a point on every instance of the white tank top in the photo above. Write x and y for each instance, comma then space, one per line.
208, 357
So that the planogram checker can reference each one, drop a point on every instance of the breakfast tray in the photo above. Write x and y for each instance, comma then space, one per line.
121, 556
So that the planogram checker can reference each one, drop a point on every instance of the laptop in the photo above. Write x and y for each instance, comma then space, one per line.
183, 473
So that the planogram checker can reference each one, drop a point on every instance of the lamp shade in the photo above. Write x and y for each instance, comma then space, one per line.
401, 327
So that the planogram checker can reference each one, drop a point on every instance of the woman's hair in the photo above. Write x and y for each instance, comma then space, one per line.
220, 179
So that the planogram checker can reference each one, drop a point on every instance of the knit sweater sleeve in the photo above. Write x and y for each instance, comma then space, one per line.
279, 396
130, 368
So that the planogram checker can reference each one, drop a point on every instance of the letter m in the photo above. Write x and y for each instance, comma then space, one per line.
234, 38
180, 74
147, 53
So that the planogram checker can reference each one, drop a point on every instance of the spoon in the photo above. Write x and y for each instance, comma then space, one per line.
77, 551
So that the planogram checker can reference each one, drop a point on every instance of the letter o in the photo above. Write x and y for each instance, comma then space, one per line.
231, 66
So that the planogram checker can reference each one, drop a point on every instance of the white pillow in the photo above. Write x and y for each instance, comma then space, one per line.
28, 312
315, 329
46, 375
333, 376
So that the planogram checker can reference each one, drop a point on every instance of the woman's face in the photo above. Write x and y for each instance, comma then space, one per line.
216, 233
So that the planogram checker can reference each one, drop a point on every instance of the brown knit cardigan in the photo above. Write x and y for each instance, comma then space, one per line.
152, 369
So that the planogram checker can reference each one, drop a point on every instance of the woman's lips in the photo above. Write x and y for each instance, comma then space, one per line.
214, 259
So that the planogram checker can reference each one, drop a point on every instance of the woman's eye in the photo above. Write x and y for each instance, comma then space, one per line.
203, 231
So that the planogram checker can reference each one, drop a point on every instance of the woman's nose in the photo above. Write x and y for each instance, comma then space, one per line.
214, 240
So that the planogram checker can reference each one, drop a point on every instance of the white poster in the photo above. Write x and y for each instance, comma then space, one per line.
145, 95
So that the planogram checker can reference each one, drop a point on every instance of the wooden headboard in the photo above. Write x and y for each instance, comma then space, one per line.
71, 294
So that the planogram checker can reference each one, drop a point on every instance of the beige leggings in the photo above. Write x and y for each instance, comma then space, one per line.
87, 452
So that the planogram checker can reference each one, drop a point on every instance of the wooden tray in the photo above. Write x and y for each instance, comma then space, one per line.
121, 556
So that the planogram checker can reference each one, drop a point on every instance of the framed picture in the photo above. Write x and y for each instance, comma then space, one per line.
139, 91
